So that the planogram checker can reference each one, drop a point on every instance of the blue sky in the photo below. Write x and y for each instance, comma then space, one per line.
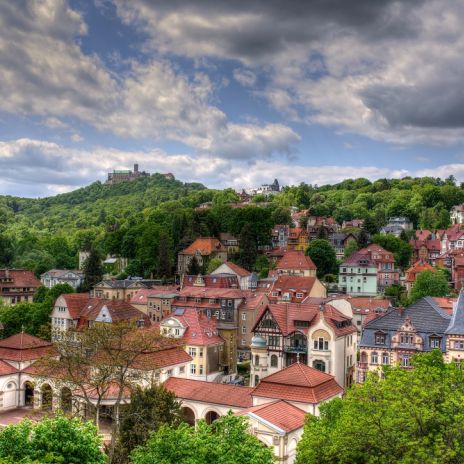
231, 94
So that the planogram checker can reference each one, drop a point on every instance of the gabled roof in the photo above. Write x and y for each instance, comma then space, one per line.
205, 246
200, 330
286, 283
209, 392
283, 416
456, 326
299, 383
75, 302
7, 369
62, 272
417, 268
236, 269
286, 315
119, 310
295, 260
141, 296
161, 358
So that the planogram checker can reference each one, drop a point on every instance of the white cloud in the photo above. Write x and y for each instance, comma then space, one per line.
245, 77
44, 72
39, 168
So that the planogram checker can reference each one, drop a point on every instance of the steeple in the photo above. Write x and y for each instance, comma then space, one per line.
456, 326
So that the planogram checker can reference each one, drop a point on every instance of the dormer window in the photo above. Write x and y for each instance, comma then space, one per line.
435, 342
406, 339
380, 338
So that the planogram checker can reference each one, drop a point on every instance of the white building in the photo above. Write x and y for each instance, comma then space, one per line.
73, 277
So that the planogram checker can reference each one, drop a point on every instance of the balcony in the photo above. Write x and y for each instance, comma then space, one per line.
295, 349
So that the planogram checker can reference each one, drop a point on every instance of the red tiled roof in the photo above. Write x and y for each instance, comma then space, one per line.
423, 234
20, 278
119, 310
285, 283
75, 302
253, 300
211, 281
240, 271
141, 296
204, 245
367, 303
111, 392
161, 358
285, 316
295, 260
24, 347
7, 369
211, 292
200, 330
300, 383
283, 415
208, 392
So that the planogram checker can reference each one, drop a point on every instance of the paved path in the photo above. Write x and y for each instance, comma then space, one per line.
13, 416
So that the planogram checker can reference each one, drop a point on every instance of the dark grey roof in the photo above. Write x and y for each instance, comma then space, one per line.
456, 326
425, 315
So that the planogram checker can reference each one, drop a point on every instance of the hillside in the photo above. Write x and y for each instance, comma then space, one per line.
151, 219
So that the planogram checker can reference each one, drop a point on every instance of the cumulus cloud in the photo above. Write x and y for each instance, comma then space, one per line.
245, 77
390, 70
44, 72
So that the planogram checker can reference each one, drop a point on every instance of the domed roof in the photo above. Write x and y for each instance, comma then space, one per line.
258, 342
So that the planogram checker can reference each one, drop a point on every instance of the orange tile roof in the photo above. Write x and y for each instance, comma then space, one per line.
75, 302
208, 392
417, 268
300, 383
283, 415
295, 260
204, 245
445, 303
161, 358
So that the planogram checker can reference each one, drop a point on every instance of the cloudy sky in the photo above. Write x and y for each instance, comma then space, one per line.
229, 93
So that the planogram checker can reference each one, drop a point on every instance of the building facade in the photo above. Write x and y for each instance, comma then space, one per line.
17, 285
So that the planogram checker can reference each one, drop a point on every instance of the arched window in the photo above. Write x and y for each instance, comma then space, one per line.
363, 357
385, 358
256, 380
256, 360
274, 360
374, 358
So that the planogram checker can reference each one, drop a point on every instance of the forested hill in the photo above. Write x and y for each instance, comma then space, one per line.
151, 219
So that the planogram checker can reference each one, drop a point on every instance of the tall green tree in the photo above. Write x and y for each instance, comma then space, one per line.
248, 247
226, 441
149, 409
93, 270
194, 267
401, 250
351, 248
429, 283
411, 416
323, 255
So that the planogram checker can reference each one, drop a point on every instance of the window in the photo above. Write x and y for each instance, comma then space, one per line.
192, 352
435, 342
406, 339
380, 339
169, 373
273, 340
406, 360
177, 331
374, 358
244, 330
385, 358
256, 360
200, 352
193, 369
229, 303
243, 316
321, 344
200, 370
274, 360
181, 369
459, 345
299, 295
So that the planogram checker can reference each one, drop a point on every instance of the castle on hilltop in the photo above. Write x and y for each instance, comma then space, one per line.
125, 175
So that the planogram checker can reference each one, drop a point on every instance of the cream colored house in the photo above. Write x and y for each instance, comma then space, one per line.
319, 336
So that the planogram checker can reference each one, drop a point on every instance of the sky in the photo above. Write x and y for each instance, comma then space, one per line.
229, 93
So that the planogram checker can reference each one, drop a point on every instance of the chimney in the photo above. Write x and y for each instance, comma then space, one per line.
136, 167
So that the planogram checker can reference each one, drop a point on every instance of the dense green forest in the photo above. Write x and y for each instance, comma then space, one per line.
151, 219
